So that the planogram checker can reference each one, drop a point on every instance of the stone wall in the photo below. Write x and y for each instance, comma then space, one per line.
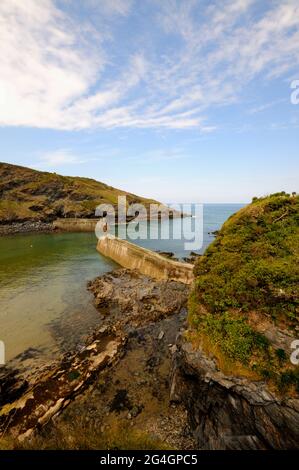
145, 261
75, 225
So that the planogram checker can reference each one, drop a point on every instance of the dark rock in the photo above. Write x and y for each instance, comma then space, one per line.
56, 387
26, 227
29, 353
166, 254
136, 410
134, 300
11, 386
152, 362
120, 401
192, 257
228, 412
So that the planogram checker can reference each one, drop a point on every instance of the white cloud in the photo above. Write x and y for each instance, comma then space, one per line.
61, 73
59, 157
43, 65
229, 49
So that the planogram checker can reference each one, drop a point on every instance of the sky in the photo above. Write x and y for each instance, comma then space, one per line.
181, 101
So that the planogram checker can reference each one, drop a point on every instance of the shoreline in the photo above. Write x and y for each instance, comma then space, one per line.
16, 228
57, 225
124, 367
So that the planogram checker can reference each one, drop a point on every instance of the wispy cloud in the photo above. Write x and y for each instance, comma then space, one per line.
61, 71
265, 106
110, 7
119, 7
60, 157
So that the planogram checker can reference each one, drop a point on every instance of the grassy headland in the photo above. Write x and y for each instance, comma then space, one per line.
248, 278
31, 195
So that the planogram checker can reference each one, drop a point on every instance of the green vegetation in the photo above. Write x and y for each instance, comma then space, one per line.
247, 276
27, 194
82, 436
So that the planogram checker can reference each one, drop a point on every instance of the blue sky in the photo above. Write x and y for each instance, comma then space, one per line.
186, 100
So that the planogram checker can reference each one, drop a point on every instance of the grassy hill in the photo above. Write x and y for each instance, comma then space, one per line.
245, 297
31, 195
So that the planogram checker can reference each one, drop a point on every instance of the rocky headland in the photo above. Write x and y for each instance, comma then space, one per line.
32, 200
233, 368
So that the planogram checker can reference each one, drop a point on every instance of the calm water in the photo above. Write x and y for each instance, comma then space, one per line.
44, 305
214, 215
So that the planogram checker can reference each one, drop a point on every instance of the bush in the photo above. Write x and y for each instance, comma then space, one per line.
252, 264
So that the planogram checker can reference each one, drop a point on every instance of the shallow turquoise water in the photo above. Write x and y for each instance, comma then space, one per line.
44, 305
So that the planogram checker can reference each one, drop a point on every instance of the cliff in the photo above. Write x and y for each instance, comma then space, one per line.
31, 195
232, 368
230, 411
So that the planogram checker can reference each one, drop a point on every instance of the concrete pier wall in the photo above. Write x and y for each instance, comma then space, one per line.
145, 261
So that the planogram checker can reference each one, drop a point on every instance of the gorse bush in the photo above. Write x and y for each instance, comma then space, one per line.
253, 263
236, 338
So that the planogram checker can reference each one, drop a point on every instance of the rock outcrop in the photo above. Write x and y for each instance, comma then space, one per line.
137, 311
134, 300
26, 227
25, 409
228, 412
233, 368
